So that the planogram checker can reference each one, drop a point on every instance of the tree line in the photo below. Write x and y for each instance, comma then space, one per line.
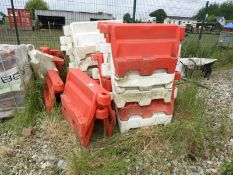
225, 9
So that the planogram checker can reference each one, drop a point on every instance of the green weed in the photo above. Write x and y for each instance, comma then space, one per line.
226, 168
207, 48
34, 109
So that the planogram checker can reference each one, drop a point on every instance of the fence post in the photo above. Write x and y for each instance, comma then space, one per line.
16, 27
134, 9
204, 19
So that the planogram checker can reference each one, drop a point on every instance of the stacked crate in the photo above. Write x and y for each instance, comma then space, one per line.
144, 58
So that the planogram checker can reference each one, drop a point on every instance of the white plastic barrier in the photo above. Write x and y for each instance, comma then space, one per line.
83, 27
88, 39
142, 97
67, 30
81, 53
138, 121
80, 41
40, 62
134, 80
65, 40
86, 63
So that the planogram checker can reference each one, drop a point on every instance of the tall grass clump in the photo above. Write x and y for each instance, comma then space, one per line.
34, 109
207, 48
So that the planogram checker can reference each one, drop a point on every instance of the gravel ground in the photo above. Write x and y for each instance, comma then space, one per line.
43, 151
219, 97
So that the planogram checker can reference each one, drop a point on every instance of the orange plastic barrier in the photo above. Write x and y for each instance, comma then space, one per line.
59, 62
143, 47
105, 28
45, 50
156, 106
84, 101
54, 85
49, 51
141, 31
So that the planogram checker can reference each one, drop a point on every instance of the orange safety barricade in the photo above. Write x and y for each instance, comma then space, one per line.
54, 85
105, 28
49, 51
84, 101
143, 47
59, 62
156, 106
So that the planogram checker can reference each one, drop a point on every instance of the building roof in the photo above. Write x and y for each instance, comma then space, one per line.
219, 17
99, 13
180, 18
228, 26
2, 14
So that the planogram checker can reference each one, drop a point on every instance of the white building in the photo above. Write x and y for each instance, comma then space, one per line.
182, 21
151, 20
221, 20
58, 18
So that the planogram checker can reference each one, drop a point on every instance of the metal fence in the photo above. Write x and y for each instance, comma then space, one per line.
43, 27
226, 39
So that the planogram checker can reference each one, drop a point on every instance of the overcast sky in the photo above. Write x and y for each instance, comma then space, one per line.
186, 8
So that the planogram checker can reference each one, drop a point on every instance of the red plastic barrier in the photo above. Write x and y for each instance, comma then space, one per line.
84, 101
143, 47
105, 81
144, 57
105, 28
55, 52
156, 106
124, 31
49, 51
59, 62
54, 85
45, 50
177, 75
147, 31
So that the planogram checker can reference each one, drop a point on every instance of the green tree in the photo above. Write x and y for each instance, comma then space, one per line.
211, 18
127, 18
32, 5
225, 9
212, 11
160, 15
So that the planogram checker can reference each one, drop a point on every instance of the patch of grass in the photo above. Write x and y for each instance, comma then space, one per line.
108, 156
38, 38
34, 109
226, 168
207, 48
187, 131
191, 48
225, 58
